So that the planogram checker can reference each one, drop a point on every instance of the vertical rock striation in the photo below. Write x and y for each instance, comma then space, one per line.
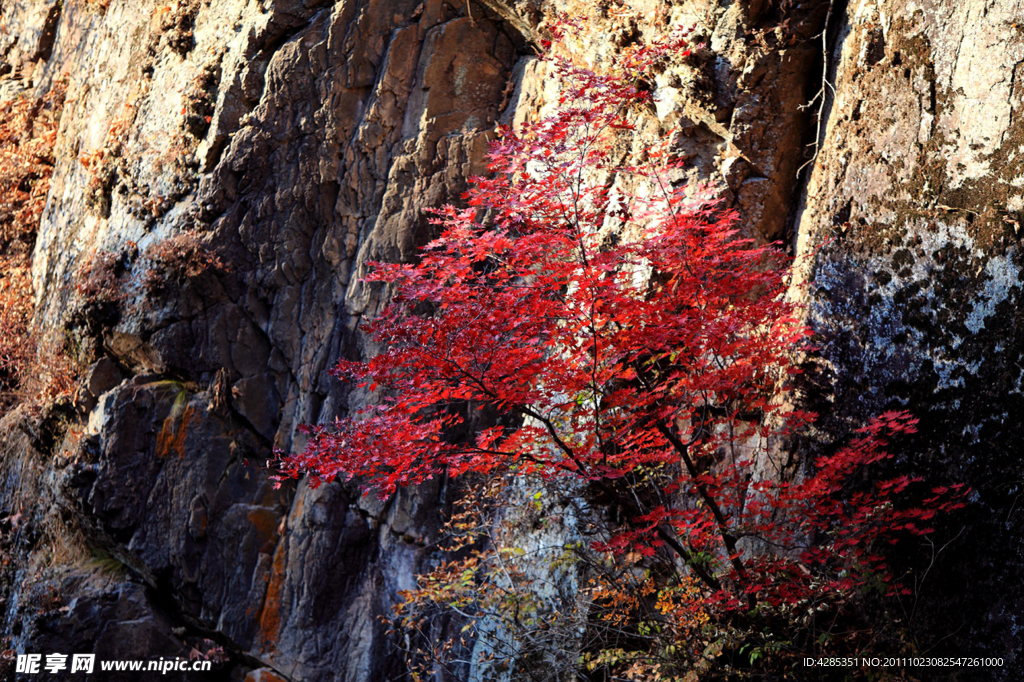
298, 140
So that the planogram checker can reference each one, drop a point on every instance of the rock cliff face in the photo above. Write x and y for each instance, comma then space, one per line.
913, 214
299, 139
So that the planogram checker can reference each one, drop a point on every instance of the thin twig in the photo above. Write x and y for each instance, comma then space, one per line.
822, 94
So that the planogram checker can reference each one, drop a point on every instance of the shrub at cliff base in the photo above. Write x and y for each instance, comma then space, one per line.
614, 341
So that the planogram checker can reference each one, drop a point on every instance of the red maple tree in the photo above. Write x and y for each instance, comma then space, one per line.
626, 335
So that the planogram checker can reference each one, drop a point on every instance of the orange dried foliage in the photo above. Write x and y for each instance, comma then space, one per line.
34, 368
28, 131
101, 5
183, 255
96, 278
16, 347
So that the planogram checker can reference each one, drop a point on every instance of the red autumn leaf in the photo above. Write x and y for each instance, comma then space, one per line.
633, 361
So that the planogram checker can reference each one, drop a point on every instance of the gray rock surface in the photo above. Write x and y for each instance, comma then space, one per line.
910, 225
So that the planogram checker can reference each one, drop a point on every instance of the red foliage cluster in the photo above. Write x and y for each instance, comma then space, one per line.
628, 337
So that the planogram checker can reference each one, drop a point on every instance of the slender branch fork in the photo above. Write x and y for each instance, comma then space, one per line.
822, 95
